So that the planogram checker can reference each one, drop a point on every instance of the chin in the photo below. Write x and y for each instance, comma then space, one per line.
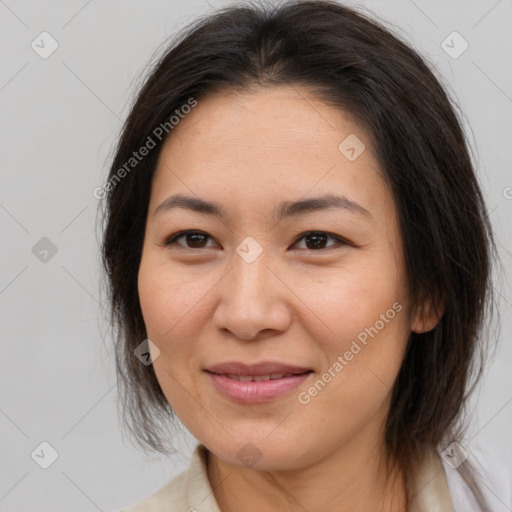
260, 453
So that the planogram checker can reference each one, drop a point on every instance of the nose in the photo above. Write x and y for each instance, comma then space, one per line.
253, 301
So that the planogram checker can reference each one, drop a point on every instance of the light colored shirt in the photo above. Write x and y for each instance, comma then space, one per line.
439, 488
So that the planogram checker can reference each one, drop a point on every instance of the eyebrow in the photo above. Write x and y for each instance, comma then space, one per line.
283, 210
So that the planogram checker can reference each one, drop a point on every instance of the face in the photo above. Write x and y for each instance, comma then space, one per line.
252, 285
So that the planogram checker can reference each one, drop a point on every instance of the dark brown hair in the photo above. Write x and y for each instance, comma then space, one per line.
355, 64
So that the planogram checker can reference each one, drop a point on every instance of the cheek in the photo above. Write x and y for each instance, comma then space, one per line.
174, 307
169, 300
354, 387
165, 298
363, 305
349, 299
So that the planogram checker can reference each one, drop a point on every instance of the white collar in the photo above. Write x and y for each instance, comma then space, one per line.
432, 495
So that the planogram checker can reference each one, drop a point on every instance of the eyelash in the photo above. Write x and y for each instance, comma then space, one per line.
172, 240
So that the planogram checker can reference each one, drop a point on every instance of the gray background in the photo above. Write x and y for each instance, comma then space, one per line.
59, 120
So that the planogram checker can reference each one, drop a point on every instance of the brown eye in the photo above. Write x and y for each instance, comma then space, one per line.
317, 240
193, 239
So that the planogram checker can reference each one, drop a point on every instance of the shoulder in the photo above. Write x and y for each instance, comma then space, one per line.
190, 491
493, 477
169, 498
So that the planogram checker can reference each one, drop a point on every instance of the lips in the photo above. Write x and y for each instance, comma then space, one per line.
251, 384
257, 378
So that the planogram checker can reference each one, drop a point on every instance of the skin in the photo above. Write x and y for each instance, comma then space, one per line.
204, 304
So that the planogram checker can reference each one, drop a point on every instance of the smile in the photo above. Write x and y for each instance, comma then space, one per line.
253, 389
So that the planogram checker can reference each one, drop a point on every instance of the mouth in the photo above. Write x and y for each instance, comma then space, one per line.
259, 378
263, 369
263, 382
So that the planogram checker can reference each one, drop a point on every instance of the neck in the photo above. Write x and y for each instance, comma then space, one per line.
346, 481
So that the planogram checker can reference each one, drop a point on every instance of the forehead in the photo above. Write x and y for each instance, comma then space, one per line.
280, 142
278, 117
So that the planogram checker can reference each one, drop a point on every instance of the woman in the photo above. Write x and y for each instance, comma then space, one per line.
298, 257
